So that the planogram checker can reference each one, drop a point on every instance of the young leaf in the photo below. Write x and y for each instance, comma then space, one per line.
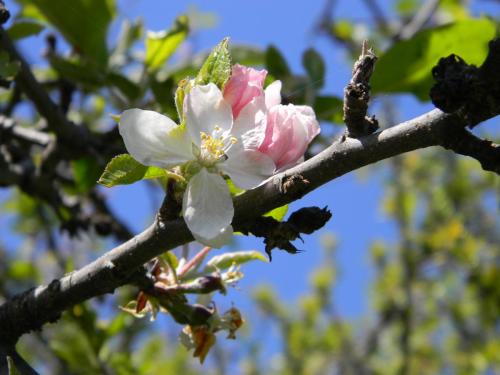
160, 46
407, 65
124, 169
315, 67
217, 66
276, 64
223, 261
278, 213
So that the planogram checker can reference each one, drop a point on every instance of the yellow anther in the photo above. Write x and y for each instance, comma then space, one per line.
233, 140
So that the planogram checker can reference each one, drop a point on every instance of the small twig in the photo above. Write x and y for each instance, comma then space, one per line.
420, 19
357, 96
9, 128
57, 122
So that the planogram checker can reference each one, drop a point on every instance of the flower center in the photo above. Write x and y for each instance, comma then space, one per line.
214, 147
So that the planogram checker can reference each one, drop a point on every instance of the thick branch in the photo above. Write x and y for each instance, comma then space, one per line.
30, 310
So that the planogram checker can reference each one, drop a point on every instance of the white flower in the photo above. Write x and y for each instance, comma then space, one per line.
212, 145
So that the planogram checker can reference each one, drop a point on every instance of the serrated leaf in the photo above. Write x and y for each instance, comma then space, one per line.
161, 45
224, 261
278, 213
407, 65
24, 29
124, 170
217, 66
315, 67
276, 64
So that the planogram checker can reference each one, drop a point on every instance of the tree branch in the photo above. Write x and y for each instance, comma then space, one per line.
30, 310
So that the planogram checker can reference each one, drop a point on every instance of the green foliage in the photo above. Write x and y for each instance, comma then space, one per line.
124, 169
160, 46
329, 108
278, 213
92, 17
407, 65
315, 67
8, 69
86, 172
276, 64
217, 66
24, 29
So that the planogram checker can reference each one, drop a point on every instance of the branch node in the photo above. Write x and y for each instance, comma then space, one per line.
357, 96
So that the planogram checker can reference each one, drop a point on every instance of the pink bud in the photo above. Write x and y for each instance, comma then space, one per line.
244, 85
289, 131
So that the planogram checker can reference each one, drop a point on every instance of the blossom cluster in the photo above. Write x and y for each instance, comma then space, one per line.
242, 132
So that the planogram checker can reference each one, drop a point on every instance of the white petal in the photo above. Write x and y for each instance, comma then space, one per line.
206, 109
154, 139
223, 238
250, 125
207, 205
247, 168
272, 93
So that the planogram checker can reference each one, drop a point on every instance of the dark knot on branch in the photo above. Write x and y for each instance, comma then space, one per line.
357, 96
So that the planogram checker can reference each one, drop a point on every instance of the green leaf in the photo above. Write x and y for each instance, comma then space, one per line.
84, 23
86, 171
76, 71
24, 29
407, 65
217, 66
8, 69
315, 67
224, 261
160, 46
124, 169
247, 55
276, 64
329, 108
278, 213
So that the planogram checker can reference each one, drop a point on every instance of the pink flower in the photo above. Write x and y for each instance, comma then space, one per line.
284, 131
289, 129
244, 85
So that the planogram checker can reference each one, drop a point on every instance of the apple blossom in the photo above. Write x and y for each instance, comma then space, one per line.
289, 129
209, 144
244, 85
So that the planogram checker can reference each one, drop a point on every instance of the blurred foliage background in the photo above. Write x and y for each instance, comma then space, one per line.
435, 296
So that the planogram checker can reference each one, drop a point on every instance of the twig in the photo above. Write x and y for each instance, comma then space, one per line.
30, 310
423, 16
357, 96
